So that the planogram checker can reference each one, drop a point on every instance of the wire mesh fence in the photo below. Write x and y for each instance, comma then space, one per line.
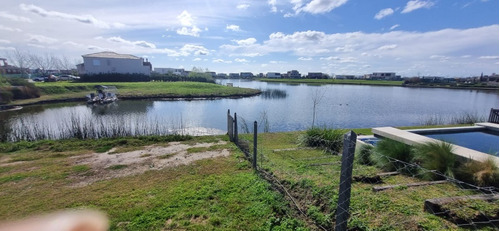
386, 192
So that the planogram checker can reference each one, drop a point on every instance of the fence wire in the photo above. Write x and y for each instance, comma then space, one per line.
406, 197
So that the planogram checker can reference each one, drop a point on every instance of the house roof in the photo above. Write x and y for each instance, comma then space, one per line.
110, 55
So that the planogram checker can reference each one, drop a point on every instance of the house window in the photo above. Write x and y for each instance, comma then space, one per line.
96, 62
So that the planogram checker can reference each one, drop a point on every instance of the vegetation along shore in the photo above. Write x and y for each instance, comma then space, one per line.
51, 92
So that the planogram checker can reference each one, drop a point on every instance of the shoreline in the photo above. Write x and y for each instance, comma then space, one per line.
160, 97
322, 81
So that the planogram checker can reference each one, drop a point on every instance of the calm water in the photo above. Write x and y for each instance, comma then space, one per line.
286, 107
486, 142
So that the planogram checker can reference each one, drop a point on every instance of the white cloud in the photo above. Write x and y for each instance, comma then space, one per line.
14, 17
305, 58
394, 27
188, 26
87, 19
321, 6
416, 4
390, 49
489, 57
242, 6
4, 41
143, 44
193, 31
41, 39
246, 42
194, 49
387, 47
241, 60
384, 13
272, 3
221, 61
233, 27
196, 59
185, 19
10, 29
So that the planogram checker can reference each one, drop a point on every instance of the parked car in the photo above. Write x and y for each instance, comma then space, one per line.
65, 77
38, 79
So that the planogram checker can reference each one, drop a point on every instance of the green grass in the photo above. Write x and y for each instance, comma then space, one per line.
65, 90
337, 81
315, 188
210, 194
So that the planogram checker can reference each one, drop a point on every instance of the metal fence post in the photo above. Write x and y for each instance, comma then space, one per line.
254, 161
229, 124
344, 200
235, 138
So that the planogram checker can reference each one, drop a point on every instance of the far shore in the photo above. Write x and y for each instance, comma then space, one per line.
75, 92
372, 83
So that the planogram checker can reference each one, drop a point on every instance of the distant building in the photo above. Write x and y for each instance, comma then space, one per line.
273, 75
234, 75
213, 74
9, 70
316, 75
345, 77
111, 62
246, 75
293, 74
222, 75
175, 71
384, 76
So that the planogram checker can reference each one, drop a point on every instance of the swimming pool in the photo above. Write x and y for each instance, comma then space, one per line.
485, 141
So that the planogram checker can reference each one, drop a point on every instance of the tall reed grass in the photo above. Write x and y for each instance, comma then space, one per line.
30, 128
460, 118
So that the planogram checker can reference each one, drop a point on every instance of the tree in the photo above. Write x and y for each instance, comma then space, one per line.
316, 97
20, 59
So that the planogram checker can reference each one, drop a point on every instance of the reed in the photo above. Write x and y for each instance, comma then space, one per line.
29, 128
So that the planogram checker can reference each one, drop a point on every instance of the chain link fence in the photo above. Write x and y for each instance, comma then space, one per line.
331, 186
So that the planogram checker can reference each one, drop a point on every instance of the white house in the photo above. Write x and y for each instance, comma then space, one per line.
111, 62
175, 71
273, 75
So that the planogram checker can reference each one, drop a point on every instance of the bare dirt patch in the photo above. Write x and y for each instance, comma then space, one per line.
111, 164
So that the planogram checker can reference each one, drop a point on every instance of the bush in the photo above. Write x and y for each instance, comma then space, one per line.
5, 96
364, 154
114, 77
479, 173
436, 156
387, 150
329, 139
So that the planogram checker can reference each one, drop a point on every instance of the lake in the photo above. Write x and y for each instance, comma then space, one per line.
281, 107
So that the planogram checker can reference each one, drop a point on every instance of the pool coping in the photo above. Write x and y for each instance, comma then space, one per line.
410, 138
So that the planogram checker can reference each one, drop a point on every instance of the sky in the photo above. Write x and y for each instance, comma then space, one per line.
457, 38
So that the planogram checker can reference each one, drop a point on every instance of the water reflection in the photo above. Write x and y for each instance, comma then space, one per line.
122, 108
273, 94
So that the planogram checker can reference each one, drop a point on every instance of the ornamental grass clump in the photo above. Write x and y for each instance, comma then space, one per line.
479, 173
392, 155
364, 155
436, 156
329, 139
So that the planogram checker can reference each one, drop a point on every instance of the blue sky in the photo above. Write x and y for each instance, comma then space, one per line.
416, 37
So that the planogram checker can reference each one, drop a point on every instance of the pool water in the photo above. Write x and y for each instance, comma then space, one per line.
483, 141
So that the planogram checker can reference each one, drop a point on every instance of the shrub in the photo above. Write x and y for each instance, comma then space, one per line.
436, 156
387, 150
329, 139
479, 173
364, 155
5, 96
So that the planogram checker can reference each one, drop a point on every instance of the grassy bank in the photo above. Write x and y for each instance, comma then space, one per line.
312, 177
336, 81
70, 90
213, 193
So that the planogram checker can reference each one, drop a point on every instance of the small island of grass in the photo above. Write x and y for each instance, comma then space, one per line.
71, 91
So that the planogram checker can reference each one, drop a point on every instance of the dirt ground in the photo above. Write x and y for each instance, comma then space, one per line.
111, 164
